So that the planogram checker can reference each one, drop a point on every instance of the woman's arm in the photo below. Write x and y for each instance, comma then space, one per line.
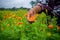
33, 11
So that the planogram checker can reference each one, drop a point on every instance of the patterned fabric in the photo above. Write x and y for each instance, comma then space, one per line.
44, 6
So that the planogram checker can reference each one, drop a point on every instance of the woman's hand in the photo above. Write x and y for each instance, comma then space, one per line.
32, 13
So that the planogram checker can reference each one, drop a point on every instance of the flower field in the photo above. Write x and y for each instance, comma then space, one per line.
15, 26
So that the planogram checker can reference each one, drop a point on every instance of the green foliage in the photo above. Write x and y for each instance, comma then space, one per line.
16, 27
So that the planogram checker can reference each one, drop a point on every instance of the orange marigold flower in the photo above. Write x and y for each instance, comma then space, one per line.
58, 27
50, 26
18, 18
19, 23
32, 18
4, 17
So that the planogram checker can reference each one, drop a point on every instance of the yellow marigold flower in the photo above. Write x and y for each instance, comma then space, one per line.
37, 14
9, 17
13, 16
25, 15
8, 25
18, 18
20, 26
2, 28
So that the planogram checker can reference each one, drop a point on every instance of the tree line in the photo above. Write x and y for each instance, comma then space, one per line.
33, 3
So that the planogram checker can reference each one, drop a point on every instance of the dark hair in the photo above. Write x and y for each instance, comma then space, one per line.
39, 2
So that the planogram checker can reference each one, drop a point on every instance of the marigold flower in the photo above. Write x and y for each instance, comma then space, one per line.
58, 27
2, 28
13, 16
37, 14
4, 17
50, 26
25, 15
8, 16
8, 25
32, 18
18, 18
19, 23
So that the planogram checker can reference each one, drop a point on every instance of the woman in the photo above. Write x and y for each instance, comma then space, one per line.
39, 8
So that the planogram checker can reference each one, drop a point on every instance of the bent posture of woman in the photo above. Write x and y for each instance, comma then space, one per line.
38, 8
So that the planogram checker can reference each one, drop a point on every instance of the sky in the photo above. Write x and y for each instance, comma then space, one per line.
15, 3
